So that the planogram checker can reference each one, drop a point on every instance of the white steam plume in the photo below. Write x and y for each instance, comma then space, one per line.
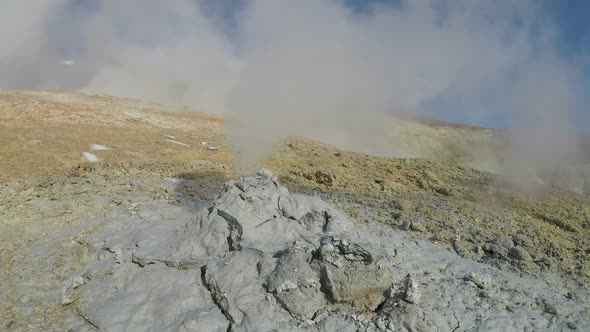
308, 67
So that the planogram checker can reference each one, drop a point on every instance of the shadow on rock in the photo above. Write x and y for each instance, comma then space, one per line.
196, 189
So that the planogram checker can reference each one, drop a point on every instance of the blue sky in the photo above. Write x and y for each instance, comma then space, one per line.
570, 17
572, 20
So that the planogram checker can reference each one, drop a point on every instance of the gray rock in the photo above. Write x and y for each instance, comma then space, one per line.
350, 274
480, 280
237, 288
519, 253
270, 218
177, 243
417, 227
405, 225
500, 247
68, 294
296, 284
522, 240
154, 298
504, 242
412, 291
467, 249
260, 259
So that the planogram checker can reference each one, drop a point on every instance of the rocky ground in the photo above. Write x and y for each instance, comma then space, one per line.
422, 231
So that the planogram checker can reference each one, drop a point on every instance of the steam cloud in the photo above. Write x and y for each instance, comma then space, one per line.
307, 67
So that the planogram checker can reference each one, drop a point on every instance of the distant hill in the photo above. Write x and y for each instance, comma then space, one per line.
70, 121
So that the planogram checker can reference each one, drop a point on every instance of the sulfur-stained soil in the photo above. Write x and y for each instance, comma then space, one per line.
49, 192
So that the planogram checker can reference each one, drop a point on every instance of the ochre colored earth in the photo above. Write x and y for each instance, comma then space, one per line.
42, 136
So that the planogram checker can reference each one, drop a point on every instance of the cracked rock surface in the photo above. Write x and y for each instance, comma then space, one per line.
258, 258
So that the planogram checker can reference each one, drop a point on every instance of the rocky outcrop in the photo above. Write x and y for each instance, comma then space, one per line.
259, 258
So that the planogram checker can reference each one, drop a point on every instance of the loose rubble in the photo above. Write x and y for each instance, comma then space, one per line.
259, 258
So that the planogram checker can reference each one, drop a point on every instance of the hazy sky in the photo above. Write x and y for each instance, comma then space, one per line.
571, 21
456, 60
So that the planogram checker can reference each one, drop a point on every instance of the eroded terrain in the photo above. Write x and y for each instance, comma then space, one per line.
54, 202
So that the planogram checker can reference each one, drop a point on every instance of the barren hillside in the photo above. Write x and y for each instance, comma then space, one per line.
51, 194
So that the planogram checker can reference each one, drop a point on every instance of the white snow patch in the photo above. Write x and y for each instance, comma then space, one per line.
90, 157
98, 147
173, 180
204, 143
169, 136
213, 148
176, 142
